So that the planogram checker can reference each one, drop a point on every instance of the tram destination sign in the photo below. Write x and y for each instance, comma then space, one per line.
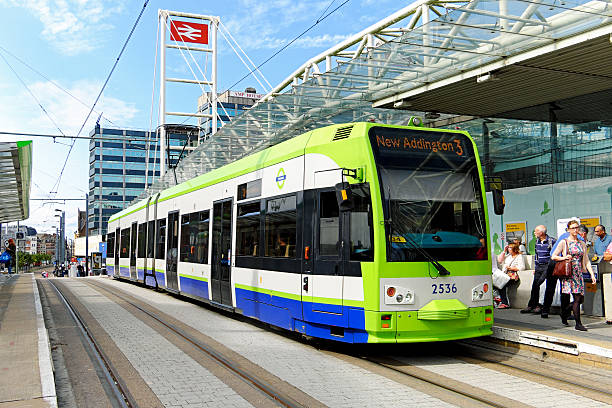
394, 146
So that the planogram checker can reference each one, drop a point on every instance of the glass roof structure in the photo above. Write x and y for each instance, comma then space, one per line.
15, 180
379, 69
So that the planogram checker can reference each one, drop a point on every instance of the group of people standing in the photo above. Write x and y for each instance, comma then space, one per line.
572, 246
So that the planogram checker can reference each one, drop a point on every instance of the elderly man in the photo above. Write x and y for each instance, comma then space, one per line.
602, 241
543, 247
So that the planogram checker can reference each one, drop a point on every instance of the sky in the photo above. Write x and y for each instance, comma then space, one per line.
55, 56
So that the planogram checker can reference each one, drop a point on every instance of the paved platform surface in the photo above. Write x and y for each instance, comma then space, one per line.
26, 374
550, 333
26, 377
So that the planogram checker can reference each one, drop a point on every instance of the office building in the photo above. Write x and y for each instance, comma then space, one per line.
230, 104
120, 167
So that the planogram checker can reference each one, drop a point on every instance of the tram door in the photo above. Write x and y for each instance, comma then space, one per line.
117, 251
220, 283
324, 271
133, 242
172, 251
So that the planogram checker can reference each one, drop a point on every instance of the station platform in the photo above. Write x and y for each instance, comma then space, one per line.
26, 369
593, 347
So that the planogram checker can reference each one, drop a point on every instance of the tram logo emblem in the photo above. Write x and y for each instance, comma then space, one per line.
188, 32
280, 178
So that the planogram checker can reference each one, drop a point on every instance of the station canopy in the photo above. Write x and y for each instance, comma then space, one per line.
15, 178
522, 59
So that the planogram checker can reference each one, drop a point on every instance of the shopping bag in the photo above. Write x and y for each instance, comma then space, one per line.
500, 279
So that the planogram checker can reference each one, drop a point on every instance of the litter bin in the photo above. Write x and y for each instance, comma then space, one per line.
605, 269
593, 293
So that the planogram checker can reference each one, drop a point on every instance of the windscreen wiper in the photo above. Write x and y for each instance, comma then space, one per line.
441, 269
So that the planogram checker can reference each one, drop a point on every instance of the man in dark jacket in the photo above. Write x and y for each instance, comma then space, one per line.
11, 249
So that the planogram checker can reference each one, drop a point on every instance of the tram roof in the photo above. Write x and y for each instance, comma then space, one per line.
15, 178
509, 58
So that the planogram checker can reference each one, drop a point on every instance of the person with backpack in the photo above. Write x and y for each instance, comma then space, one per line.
543, 247
11, 249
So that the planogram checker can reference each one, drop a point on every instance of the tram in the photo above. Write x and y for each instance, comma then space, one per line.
359, 232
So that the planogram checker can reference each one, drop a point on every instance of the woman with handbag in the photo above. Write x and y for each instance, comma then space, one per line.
513, 263
575, 252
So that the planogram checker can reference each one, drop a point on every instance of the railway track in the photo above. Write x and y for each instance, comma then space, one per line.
116, 390
593, 385
412, 369
275, 391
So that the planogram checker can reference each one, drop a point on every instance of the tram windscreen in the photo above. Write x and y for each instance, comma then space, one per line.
431, 189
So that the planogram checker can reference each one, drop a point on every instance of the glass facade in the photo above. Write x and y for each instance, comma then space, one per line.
118, 159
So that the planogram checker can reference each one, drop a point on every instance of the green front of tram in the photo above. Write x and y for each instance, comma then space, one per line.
431, 275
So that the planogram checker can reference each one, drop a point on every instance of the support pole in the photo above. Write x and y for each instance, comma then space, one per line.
215, 27
163, 21
87, 236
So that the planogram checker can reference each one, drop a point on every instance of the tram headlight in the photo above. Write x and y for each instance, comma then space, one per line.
481, 292
397, 295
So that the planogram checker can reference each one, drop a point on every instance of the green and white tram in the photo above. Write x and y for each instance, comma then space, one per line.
359, 232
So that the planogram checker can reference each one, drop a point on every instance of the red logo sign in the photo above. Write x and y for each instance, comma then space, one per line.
188, 32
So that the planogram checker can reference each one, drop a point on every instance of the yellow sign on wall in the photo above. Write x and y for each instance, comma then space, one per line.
590, 222
516, 230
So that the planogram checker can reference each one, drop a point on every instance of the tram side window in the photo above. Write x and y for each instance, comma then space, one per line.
329, 224
142, 240
361, 235
125, 243
281, 227
194, 237
161, 239
201, 241
247, 229
110, 245
150, 239
187, 245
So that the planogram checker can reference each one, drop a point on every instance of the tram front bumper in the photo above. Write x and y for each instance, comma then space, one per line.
428, 325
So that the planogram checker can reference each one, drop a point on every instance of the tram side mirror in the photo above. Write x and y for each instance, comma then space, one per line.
344, 196
499, 202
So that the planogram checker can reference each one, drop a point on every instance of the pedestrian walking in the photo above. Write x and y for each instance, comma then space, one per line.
574, 250
11, 249
543, 247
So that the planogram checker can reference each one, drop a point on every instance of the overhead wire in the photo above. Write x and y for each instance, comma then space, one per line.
32, 94
101, 91
53, 83
319, 20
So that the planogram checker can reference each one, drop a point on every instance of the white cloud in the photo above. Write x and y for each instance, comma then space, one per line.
259, 24
20, 111
72, 26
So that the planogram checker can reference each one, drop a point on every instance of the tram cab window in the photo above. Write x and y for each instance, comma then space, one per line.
281, 227
329, 224
194, 237
247, 229
142, 240
110, 245
361, 233
125, 243
161, 239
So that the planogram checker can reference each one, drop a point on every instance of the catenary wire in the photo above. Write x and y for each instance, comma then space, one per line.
319, 20
101, 91
53, 83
